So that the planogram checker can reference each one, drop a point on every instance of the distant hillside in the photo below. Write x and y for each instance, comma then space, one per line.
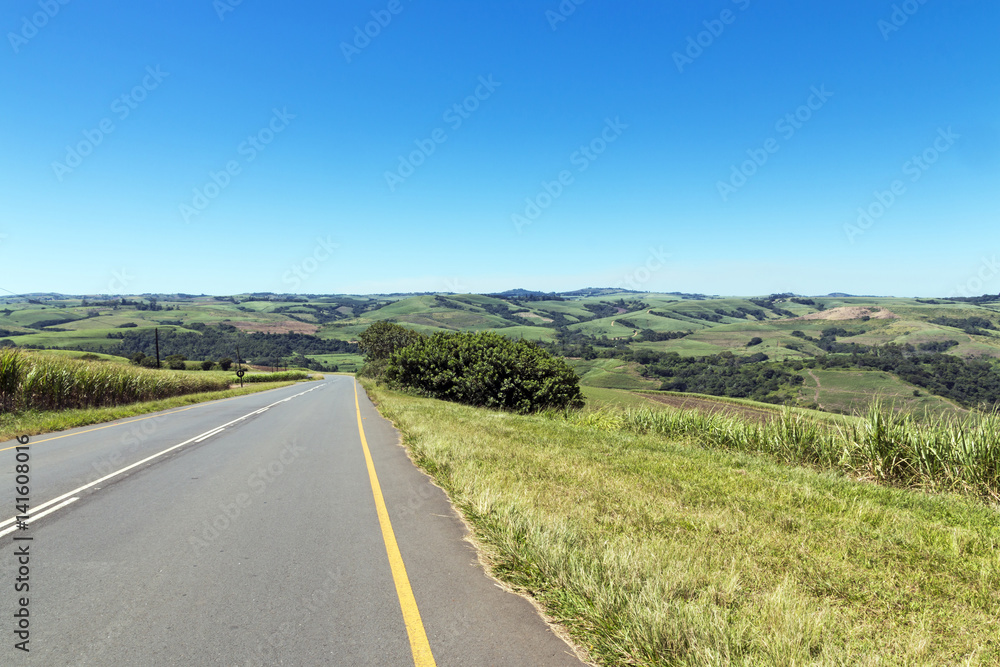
779, 348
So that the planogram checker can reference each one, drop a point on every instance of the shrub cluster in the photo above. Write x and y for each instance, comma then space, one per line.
483, 369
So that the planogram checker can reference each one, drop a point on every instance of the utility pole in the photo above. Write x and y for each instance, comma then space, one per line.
239, 366
157, 332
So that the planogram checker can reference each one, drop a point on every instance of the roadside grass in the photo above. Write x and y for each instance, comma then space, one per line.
657, 550
34, 422
38, 381
947, 453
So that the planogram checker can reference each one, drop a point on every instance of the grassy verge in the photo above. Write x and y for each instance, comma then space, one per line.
35, 422
949, 454
656, 550
39, 381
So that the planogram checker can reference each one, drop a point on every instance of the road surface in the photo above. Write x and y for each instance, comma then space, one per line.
259, 544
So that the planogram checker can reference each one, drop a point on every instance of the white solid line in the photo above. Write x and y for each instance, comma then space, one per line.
209, 435
202, 436
33, 517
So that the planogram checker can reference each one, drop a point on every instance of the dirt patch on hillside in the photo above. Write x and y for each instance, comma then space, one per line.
850, 313
713, 407
288, 326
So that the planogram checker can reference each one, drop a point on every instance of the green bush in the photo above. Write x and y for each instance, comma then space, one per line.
379, 341
485, 369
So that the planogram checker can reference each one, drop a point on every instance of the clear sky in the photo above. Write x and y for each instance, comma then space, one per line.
722, 146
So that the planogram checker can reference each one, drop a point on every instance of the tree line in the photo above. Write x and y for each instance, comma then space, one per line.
221, 341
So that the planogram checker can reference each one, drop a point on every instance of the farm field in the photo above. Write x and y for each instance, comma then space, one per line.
849, 392
625, 330
527, 333
346, 363
610, 374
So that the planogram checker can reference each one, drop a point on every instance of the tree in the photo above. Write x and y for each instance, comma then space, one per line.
207, 365
379, 341
176, 362
226, 363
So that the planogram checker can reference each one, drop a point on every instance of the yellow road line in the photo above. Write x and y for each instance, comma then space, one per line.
421, 648
99, 428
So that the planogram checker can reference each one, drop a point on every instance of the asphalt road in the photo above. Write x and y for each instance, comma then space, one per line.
260, 544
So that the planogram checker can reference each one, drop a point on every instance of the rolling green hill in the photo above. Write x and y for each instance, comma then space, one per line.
614, 339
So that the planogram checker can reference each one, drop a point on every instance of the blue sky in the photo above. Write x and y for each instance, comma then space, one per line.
722, 147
